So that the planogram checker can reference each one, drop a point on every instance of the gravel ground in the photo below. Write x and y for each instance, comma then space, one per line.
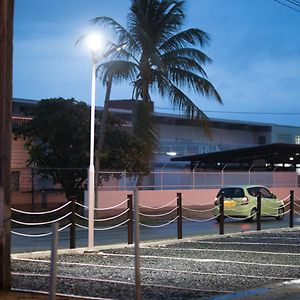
190, 269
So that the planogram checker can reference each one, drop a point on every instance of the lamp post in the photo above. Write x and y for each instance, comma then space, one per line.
95, 43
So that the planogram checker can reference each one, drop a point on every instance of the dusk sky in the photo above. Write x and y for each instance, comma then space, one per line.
255, 47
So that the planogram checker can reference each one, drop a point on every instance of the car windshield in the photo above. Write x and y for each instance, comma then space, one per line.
232, 192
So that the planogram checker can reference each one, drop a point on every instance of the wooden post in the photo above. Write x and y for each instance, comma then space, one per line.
130, 219
292, 209
73, 224
221, 217
258, 220
6, 58
179, 214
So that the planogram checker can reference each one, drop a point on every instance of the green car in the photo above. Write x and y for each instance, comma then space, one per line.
241, 202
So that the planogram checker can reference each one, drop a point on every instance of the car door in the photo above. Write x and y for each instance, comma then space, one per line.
269, 205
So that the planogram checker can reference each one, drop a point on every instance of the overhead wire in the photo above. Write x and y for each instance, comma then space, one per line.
287, 5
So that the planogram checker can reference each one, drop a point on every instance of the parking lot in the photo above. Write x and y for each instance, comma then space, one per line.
187, 269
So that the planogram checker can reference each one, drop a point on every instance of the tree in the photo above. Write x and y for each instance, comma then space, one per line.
159, 56
6, 66
57, 140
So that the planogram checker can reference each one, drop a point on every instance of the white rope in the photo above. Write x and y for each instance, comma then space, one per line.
41, 223
165, 205
286, 197
159, 215
195, 210
158, 226
296, 204
31, 235
200, 221
81, 226
112, 227
107, 208
102, 229
113, 217
297, 213
276, 207
284, 213
240, 218
296, 197
40, 212
200, 204
105, 219
39, 235
84, 206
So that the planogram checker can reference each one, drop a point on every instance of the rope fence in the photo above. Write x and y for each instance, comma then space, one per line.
73, 217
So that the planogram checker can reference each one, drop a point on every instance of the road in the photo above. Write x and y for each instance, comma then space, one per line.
119, 235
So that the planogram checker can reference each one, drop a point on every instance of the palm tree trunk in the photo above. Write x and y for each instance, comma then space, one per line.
6, 60
102, 134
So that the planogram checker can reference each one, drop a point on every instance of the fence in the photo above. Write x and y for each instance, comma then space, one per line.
197, 180
151, 217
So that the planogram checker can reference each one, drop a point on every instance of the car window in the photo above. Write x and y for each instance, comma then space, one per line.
253, 191
266, 193
232, 192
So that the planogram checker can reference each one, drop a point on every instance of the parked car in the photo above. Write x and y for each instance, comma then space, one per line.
241, 201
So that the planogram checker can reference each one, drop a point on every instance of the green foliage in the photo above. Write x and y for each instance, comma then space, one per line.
58, 141
160, 56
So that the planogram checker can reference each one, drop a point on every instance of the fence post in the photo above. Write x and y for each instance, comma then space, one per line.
258, 216
73, 226
130, 219
53, 266
179, 214
292, 208
221, 217
32, 189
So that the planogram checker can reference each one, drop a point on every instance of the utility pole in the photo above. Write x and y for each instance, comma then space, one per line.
6, 58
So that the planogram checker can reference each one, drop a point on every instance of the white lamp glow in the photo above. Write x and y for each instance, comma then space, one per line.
94, 42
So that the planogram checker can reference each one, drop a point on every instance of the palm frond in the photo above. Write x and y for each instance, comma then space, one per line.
119, 70
198, 84
192, 53
183, 39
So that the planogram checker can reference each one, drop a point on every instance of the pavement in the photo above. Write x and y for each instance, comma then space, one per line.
286, 243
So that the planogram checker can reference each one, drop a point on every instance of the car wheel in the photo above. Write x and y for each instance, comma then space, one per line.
253, 214
280, 214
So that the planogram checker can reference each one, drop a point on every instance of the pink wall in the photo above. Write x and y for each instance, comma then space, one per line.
156, 198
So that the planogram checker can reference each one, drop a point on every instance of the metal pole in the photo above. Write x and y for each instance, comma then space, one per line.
73, 226
91, 177
138, 291
130, 219
53, 267
258, 211
292, 198
179, 214
221, 217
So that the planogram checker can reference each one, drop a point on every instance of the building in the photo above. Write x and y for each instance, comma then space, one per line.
178, 136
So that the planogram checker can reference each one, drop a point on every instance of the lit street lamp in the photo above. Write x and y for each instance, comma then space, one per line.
95, 43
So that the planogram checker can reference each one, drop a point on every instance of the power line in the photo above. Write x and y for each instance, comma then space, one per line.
294, 2
287, 5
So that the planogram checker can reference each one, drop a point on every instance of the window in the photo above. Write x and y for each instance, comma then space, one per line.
284, 138
297, 139
15, 180
261, 140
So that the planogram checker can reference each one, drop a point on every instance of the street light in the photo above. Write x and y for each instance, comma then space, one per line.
94, 43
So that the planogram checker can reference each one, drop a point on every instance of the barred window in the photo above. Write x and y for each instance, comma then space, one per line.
297, 139
15, 180
285, 138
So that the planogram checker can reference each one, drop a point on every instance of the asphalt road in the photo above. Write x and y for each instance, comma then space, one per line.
193, 268
119, 235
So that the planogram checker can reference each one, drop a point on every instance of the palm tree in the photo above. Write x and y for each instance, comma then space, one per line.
159, 56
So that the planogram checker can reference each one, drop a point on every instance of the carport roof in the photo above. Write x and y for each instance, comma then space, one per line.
269, 153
